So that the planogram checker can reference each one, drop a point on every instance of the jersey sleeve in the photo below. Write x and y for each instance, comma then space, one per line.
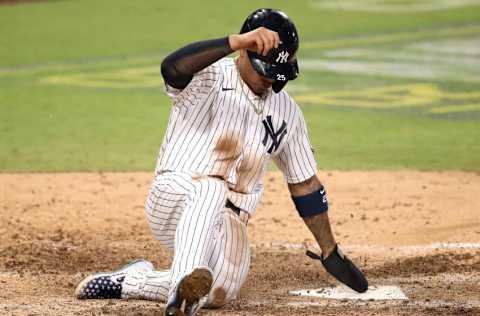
199, 87
296, 159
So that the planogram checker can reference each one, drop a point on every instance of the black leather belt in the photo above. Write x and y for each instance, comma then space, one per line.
231, 206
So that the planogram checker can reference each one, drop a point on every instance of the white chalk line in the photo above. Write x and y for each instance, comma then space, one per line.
395, 37
466, 304
341, 292
386, 7
450, 278
443, 58
279, 245
396, 69
387, 289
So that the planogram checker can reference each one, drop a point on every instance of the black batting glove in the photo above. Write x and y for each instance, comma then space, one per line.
344, 270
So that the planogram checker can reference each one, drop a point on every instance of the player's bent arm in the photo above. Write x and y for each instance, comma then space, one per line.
311, 202
313, 207
179, 67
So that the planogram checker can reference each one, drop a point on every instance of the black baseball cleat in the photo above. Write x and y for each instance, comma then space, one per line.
107, 285
189, 291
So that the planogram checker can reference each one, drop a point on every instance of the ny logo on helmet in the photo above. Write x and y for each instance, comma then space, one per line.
282, 57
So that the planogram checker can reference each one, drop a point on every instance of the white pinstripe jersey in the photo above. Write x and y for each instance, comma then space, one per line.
219, 127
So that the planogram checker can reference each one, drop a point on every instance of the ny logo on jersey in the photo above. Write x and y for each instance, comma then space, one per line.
276, 136
282, 57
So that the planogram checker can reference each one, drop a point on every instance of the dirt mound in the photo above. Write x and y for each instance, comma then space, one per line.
58, 228
449, 262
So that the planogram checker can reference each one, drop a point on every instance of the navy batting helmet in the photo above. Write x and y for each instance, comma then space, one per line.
280, 64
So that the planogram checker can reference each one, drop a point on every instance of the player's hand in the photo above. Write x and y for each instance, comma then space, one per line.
260, 40
344, 270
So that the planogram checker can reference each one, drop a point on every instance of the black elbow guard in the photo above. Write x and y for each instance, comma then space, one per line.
311, 204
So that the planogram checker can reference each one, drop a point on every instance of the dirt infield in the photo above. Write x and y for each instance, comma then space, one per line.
417, 230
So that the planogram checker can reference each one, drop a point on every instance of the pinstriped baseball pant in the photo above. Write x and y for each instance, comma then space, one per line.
189, 217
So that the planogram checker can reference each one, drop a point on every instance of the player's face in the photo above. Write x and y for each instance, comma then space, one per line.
257, 83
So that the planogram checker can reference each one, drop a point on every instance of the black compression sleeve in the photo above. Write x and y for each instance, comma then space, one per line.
179, 67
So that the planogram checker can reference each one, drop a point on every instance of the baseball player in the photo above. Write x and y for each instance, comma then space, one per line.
229, 118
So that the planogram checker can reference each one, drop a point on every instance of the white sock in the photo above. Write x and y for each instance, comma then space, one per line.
147, 285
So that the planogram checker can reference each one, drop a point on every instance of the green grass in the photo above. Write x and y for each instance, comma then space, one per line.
80, 89
63, 129
388, 141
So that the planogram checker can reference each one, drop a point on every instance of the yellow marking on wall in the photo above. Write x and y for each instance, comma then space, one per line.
383, 97
398, 96
455, 108
380, 97
145, 77
460, 95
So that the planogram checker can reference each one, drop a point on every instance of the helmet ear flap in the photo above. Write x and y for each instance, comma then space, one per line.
278, 85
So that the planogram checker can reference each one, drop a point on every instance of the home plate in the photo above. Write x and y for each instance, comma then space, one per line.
342, 292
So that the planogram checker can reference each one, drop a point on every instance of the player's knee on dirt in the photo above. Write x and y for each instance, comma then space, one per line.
218, 297
231, 274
